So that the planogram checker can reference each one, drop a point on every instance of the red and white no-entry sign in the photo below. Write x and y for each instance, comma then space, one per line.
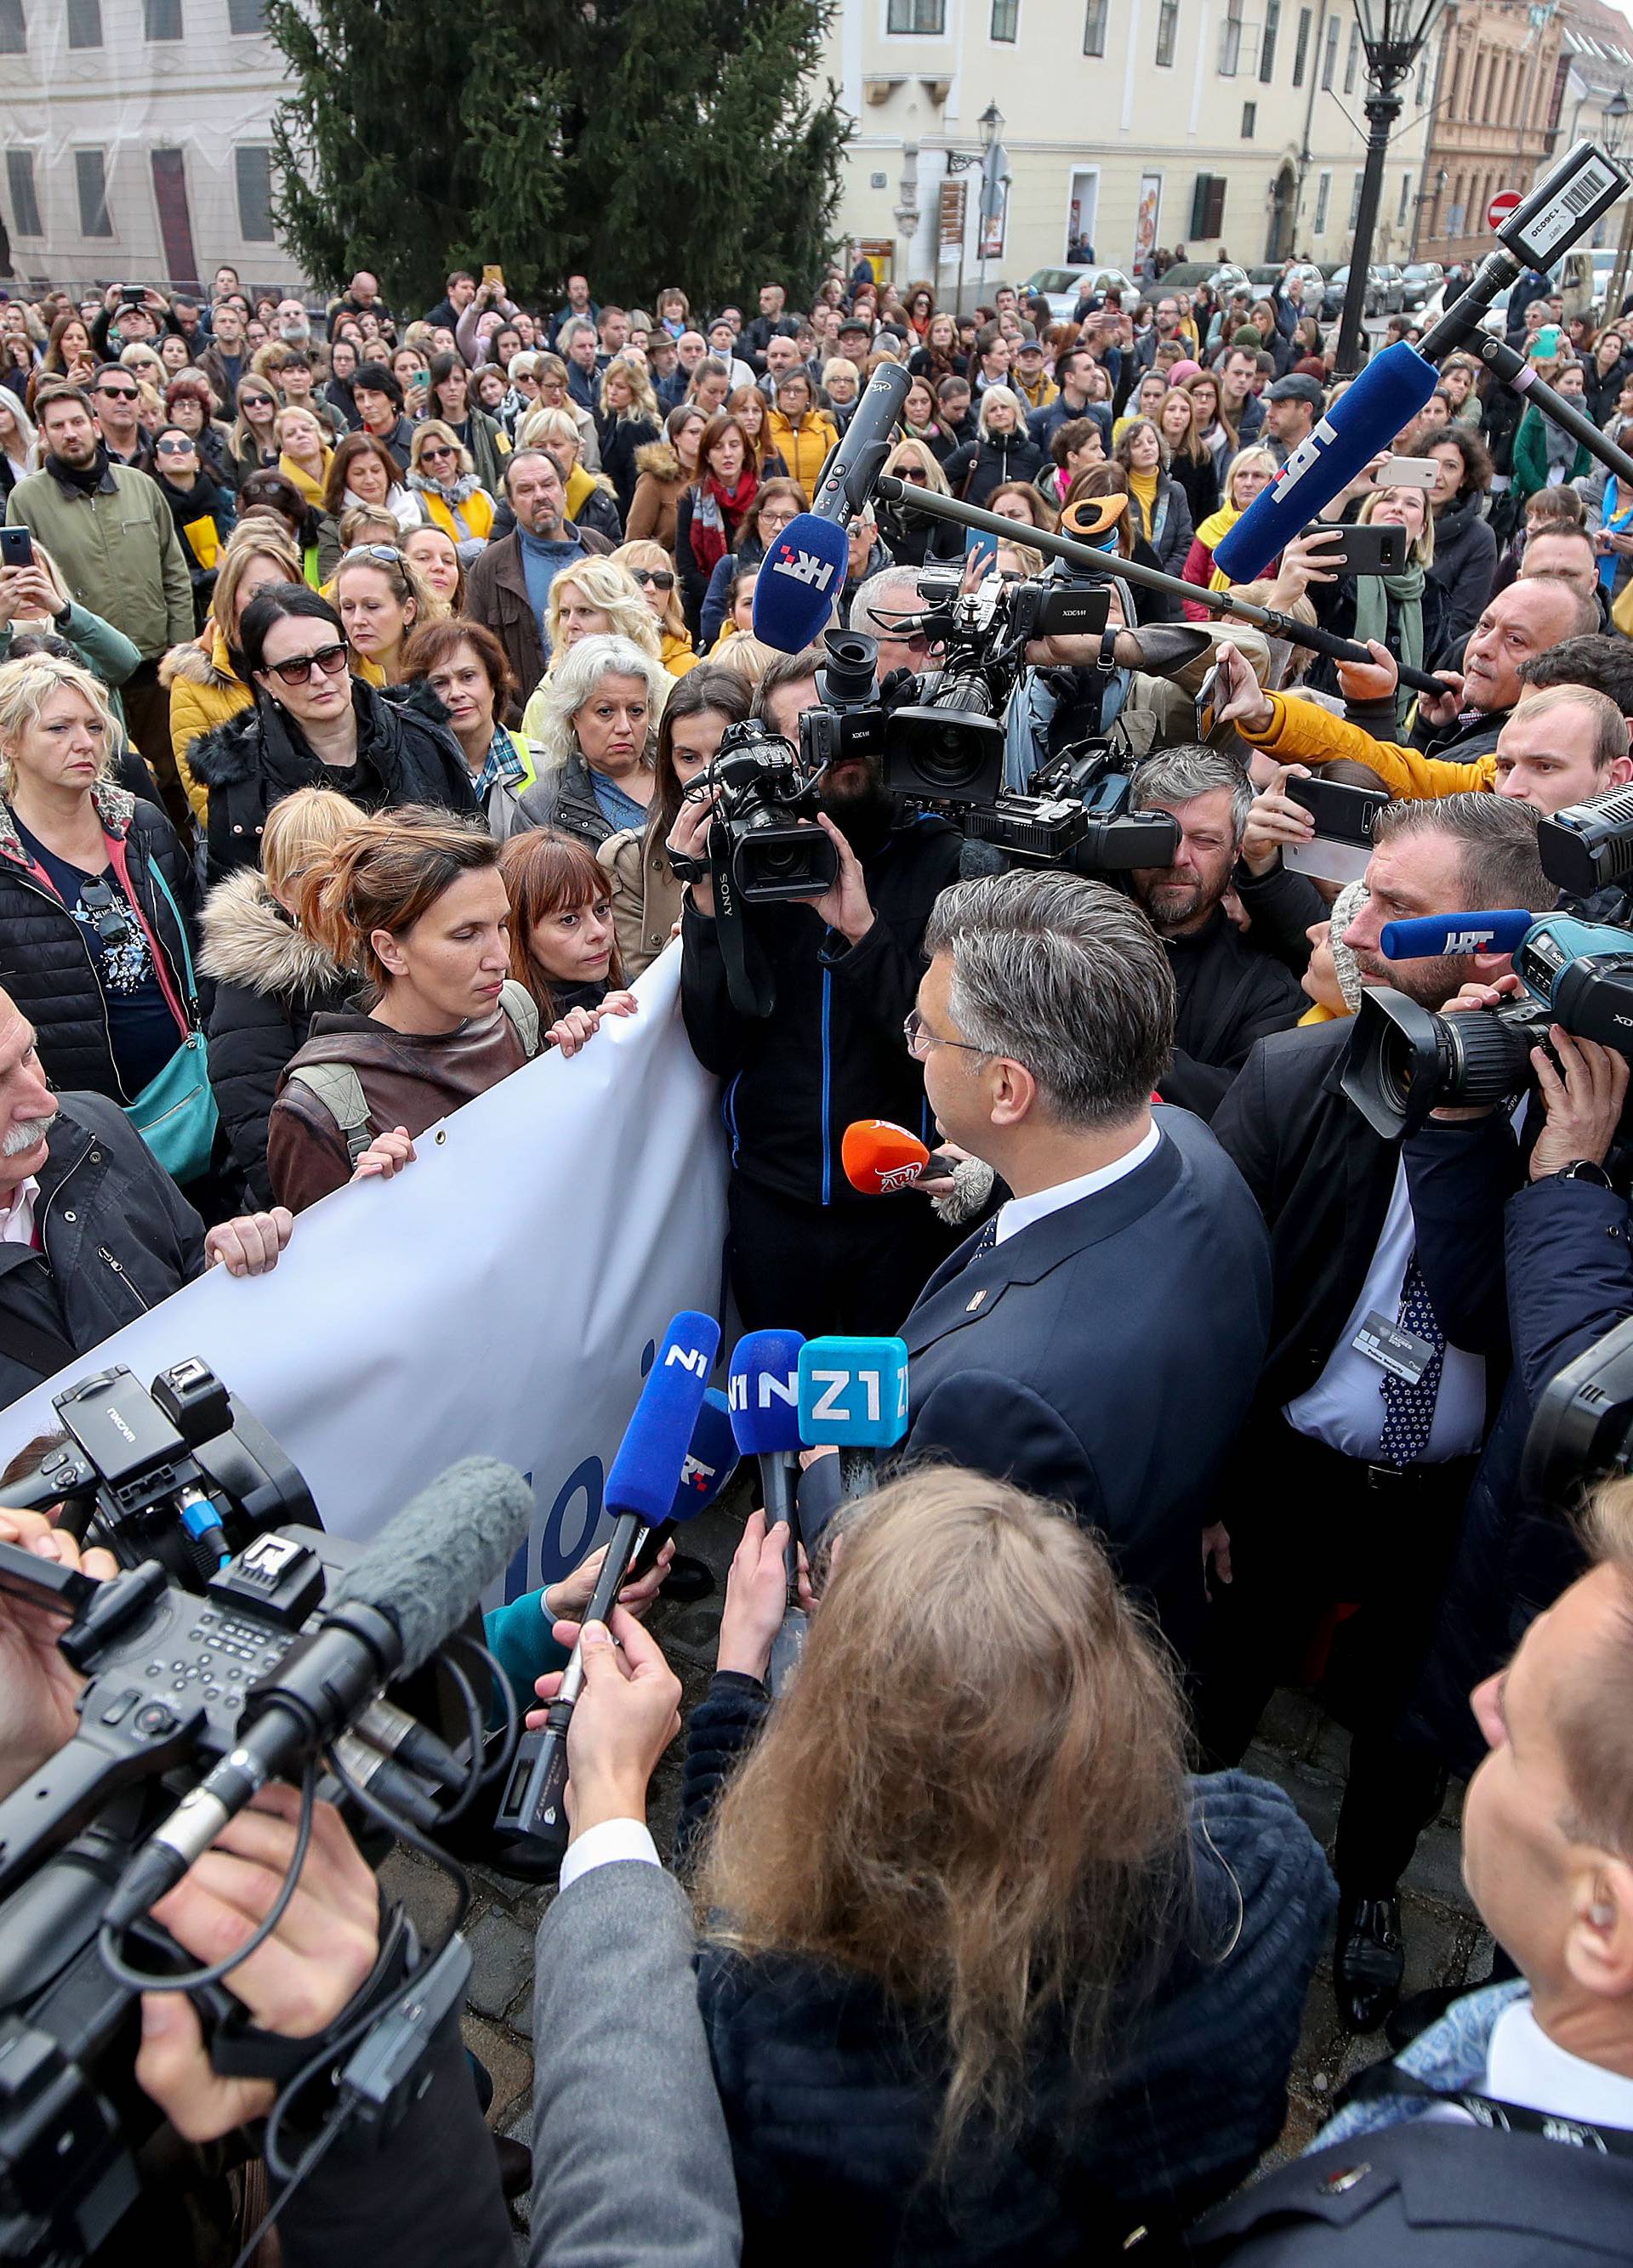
1505, 202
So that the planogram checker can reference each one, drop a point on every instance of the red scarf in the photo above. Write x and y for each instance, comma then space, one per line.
720, 511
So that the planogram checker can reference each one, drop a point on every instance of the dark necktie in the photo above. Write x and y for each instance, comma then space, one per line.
1410, 1411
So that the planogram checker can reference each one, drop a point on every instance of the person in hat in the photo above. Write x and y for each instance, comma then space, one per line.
855, 339
1030, 375
1292, 406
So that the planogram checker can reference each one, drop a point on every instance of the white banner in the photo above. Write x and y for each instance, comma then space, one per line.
501, 1296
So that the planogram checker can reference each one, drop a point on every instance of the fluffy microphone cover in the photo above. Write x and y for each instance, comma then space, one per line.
427, 1569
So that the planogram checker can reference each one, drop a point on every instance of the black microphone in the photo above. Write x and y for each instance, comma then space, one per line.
413, 1587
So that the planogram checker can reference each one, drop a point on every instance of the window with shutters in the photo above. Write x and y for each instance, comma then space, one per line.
1094, 27
1324, 190
161, 20
1329, 60
85, 22
19, 180
254, 166
90, 182
1167, 32
1352, 61
1301, 47
1406, 199
1267, 46
1230, 40
1354, 199
1207, 200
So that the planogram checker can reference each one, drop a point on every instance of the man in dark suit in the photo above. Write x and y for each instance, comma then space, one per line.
1368, 1424
1098, 1341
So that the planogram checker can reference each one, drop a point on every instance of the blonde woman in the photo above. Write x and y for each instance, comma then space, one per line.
923, 539
595, 720
204, 677
304, 454
630, 419
1003, 450
1406, 611
592, 502
1249, 471
379, 597
443, 475
653, 571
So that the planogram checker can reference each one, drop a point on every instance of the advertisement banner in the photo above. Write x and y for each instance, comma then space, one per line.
502, 1296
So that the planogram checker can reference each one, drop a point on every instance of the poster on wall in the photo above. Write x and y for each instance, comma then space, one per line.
992, 229
1145, 221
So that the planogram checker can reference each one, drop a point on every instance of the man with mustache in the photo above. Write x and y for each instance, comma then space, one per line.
93, 1232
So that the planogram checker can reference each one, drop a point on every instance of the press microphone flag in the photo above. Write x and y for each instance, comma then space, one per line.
803, 573
1365, 419
1433, 935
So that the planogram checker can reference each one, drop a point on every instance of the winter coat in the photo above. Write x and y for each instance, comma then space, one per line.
979, 467
476, 510
1531, 471
486, 438
1335, 610
117, 550
46, 959
749, 553
254, 761
1464, 564
622, 441
804, 447
205, 690
107, 653
496, 594
271, 980
646, 897
832, 2097
660, 485
564, 797
1200, 480
1171, 532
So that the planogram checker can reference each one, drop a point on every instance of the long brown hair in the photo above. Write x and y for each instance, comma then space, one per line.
999, 1832
548, 873
385, 874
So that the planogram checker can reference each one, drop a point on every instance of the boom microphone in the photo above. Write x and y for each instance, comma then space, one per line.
804, 572
1432, 935
413, 1587
1365, 418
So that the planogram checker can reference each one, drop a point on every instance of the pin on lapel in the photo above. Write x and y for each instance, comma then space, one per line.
975, 1303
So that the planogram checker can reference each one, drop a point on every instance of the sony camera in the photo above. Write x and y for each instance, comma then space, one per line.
764, 846
1405, 1061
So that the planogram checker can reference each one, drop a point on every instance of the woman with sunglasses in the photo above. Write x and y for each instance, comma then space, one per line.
205, 678
464, 664
452, 400
778, 503
922, 538
201, 512
443, 475
660, 585
313, 723
252, 447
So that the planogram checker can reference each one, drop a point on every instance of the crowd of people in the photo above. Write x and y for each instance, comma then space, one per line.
360, 683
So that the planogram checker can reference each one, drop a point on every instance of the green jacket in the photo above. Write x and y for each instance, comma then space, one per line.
1531, 473
107, 653
118, 551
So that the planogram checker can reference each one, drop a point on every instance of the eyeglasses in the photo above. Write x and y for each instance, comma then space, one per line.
660, 577
250, 401
917, 474
920, 1039
176, 449
118, 393
384, 554
437, 455
328, 661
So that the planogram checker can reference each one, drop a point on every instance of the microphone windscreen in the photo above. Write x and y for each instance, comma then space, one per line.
800, 578
427, 1569
1432, 935
647, 1468
852, 1392
765, 1392
879, 1157
710, 1460
1365, 418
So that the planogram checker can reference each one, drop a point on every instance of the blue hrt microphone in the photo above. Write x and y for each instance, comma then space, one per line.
803, 573
640, 1491
766, 1414
1365, 418
1433, 935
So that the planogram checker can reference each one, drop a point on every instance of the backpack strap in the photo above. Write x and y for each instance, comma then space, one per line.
524, 1011
340, 1091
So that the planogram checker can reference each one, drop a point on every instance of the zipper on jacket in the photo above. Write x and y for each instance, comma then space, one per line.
122, 1272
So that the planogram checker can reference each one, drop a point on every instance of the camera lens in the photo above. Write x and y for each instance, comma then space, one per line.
1404, 1061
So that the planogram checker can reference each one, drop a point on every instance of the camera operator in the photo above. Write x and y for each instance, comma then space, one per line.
1353, 1473
1230, 994
1416, 2172
806, 1249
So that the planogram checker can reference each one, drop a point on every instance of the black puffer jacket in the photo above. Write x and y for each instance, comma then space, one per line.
270, 980
405, 755
620, 438
44, 959
979, 467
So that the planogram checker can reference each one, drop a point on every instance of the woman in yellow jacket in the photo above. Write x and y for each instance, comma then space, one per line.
800, 432
202, 676
443, 475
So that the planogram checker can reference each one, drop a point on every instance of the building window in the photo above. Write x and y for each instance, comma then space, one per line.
1324, 190
1250, 119
85, 22
91, 180
1301, 50
161, 20
1422, 80
1230, 40
1406, 199
1167, 32
255, 195
1329, 60
927, 18
1353, 59
246, 15
1006, 20
14, 31
1207, 206
1355, 201
1094, 27
1267, 46
19, 180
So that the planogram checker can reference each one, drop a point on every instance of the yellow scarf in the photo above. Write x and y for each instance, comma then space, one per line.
312, 489
1212, 534
1142, 488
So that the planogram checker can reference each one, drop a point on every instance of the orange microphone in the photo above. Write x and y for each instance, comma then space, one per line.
879, 1157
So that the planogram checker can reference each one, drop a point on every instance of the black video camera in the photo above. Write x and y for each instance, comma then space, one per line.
1582, 1430
184, 1474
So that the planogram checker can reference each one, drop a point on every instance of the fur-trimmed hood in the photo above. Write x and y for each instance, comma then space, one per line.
247, 939
202, 660
658, 459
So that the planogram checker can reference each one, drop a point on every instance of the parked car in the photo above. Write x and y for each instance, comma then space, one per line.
1494, 320
1384, 288
1391, 282
1423, 279
1063, 287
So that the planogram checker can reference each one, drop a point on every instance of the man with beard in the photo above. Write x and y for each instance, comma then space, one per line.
1230, 994
123, 1239
1353, 1470
806, 1251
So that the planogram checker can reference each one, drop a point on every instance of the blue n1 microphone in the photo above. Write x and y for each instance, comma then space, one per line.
803, 573
1433, 935
764, 1389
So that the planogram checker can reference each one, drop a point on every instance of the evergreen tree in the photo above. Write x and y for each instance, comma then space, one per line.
643, 142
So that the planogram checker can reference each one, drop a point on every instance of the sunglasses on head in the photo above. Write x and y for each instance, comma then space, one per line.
386, 554
328, 661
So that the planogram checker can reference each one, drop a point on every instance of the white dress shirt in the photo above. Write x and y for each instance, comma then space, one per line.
1020, 1212
17, 1222
1524, 2065
603, 1844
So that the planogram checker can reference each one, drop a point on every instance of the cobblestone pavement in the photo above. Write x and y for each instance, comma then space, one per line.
1299, 1747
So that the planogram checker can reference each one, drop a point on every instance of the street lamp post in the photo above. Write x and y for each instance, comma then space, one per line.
991, 123
1393, 32
1616, 117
